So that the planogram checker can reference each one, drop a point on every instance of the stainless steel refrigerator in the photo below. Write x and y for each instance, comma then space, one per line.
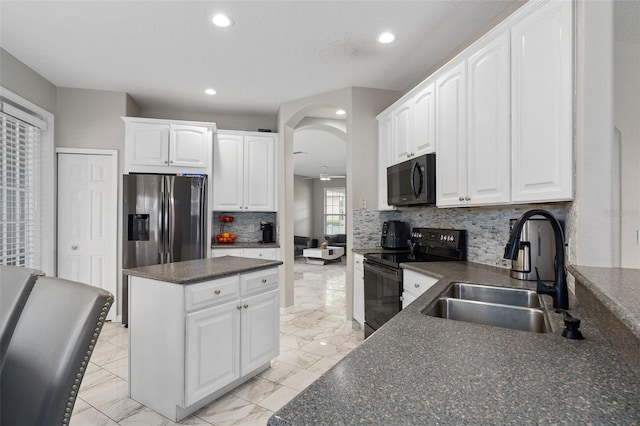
164, 221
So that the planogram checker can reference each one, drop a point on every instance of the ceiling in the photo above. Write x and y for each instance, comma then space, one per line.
166, 53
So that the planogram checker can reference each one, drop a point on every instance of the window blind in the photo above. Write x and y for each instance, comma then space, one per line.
20, 165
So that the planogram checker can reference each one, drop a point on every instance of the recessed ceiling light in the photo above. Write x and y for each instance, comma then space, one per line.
341, 112
385, 38
210, 92
222, 20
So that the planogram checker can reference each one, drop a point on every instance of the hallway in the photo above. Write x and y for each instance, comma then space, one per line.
312, 339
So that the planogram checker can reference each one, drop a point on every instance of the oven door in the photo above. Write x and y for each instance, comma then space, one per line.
382, 291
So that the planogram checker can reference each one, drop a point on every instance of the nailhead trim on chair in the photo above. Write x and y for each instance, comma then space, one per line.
81, 370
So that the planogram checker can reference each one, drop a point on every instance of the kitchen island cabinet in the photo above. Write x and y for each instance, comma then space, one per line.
198, 329
418, 369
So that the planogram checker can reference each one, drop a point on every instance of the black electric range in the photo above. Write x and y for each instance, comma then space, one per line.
383, 276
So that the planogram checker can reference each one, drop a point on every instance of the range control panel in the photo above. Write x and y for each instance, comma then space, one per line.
452, 239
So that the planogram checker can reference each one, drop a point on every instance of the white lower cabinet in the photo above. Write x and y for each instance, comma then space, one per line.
255, 253
414, 284
260, 330
190, 344
358, 289
213, 350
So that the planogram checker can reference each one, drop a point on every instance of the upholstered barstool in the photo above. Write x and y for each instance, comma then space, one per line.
50, 350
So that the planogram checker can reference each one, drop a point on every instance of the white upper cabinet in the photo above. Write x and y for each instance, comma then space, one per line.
244, 172
187, 147
499, 115
413, 125
384, 146
162, 146
488, 137
542, 102
451, 129
472, 110
402, 131
259, 173
424, 120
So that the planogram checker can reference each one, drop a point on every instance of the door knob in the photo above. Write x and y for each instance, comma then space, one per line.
246, 306
74, 247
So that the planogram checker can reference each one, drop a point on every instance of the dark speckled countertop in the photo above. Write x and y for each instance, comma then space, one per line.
193, 271
423, 370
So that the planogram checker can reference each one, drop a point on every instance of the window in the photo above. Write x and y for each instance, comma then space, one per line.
334, 211
25, 144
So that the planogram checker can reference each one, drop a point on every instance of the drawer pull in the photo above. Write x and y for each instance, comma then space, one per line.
417, 285
264, 281
246, 306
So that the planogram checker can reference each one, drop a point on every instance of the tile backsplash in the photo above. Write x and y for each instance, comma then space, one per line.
487, 227
242, 225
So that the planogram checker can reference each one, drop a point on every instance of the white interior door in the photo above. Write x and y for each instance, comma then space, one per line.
87, 222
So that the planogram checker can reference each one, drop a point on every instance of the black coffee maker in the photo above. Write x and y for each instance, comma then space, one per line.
267, 232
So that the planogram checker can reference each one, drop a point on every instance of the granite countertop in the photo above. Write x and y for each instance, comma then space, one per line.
249, 244
423, 370
612, 297
194, 271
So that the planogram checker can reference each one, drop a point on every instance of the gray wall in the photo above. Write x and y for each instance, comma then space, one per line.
303, 204
23, 81
626, 114
248, 122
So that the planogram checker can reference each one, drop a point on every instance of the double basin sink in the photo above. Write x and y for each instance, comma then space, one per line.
513, 308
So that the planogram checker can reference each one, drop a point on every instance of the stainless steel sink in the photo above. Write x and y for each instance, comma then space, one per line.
512, 308
491, 294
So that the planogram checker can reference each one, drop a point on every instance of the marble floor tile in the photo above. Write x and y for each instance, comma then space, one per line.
292, 341
232, 410
279, 371
320, 348
279, 398
118, 367
301, 379
91, 417
297, 358
105, 352
111, 398
256, 389
322, 365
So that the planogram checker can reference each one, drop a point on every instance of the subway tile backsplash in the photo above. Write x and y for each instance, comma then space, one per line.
487, 227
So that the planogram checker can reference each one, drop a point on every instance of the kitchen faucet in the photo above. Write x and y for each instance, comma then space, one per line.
558, 291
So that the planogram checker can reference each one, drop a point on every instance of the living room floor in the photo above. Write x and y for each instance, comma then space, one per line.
312, 340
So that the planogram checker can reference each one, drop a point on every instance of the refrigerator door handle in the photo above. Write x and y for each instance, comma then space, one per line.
170, 220
161, 222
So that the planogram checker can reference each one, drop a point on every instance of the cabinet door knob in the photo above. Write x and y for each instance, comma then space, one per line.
166, 162
246, 306
217, 292
238, 307
74, 247
467, 198
460, 198
264, 280
416, 285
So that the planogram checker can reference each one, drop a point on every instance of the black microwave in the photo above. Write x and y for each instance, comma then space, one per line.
412, 182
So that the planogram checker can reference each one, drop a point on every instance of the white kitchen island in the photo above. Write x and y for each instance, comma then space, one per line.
198, 329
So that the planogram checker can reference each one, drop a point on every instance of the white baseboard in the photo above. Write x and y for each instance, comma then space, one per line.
352, 324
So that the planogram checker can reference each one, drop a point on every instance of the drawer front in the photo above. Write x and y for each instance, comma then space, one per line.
211, 293
264, 253
259, 281
415, 284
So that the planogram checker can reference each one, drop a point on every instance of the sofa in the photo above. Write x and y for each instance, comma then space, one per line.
337, 240
300, 243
